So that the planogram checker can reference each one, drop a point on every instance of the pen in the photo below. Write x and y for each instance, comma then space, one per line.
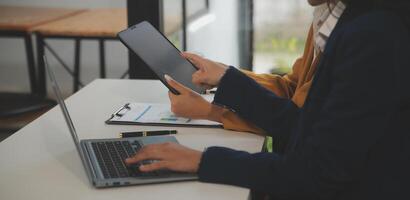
146, 133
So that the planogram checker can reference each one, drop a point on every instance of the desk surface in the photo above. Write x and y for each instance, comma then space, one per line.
40, 160
20, 18
105, 22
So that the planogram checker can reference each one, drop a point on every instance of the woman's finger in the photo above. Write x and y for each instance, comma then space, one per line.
198, 61
149, 152
191, 56
157, 165
171, 96
174, 84
198, 78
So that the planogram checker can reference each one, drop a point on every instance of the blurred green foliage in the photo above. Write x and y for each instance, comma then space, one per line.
275, 44
284, 49
174, 38
269, 144
282, 69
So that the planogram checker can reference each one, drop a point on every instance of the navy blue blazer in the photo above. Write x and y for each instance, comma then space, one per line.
350, 140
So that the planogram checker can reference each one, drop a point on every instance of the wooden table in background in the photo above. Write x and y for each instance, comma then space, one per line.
95, 24
18, 109
17, 21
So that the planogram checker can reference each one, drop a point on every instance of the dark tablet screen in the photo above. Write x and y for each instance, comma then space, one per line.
159, 54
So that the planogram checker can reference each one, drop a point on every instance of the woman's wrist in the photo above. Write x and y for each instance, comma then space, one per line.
223, 68
215, 113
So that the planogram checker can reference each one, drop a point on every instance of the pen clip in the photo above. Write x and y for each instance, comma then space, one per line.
122, 110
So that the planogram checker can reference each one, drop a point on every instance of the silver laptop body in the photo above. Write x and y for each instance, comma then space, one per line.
95, 154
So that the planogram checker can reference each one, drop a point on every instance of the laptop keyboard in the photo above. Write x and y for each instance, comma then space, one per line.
111, 155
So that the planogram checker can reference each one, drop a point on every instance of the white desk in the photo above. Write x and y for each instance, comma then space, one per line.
40, 161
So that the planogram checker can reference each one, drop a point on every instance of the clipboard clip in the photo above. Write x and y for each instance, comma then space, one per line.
121, 112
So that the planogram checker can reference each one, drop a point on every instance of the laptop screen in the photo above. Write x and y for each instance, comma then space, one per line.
63, 107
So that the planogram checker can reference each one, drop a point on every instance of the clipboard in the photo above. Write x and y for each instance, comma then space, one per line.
151, 114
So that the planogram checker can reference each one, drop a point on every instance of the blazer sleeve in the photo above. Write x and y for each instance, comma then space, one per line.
282, 86
255, 103
353, 117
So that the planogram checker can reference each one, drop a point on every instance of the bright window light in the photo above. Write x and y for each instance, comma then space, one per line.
201, 22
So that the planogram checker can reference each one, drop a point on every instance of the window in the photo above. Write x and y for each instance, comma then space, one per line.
173, 11
266, 36
172, 20
212, 28
280, 30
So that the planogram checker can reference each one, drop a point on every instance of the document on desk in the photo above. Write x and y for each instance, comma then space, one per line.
154, 114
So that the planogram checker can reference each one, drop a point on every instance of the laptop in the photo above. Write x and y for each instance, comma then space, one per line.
103, 159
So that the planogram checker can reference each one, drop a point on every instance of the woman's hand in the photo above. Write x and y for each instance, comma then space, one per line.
169, 156
209, 72
190, 104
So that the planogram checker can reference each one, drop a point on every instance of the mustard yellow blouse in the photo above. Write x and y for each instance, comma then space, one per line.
294, 86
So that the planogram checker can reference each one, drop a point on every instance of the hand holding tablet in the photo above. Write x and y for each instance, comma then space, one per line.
160, 55
209, 72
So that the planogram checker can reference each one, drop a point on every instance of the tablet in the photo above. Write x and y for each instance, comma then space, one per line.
159, 54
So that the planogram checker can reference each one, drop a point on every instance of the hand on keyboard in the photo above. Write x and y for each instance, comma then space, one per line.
134, 170
169, 156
